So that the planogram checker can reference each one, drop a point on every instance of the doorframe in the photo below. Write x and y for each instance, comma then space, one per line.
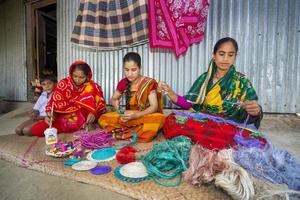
31, 55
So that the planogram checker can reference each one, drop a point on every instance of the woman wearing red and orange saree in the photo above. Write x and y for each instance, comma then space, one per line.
143, 113
77, 101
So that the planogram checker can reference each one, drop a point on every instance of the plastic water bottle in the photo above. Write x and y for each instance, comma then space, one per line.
50, 135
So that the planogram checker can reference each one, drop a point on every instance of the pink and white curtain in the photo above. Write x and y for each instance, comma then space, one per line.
177, 24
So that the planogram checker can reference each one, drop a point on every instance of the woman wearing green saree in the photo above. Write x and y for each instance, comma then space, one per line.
222, 103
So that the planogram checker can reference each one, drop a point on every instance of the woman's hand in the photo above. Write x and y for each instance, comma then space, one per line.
90, 118
164, 88
251, 107
115, 100
34, 114
129, 115
48, 118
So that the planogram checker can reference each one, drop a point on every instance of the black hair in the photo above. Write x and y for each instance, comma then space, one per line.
50, 77
82, 67
135, 57
224, 40
128, 94
132, 56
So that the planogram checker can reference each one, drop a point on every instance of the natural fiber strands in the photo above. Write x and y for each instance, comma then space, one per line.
208, 165
204, 165
276, 166
236, 182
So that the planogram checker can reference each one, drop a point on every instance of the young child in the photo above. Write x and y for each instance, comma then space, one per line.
36, 83
48, 83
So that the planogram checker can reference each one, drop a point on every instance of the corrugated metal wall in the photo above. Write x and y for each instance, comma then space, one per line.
12, 51
268, 33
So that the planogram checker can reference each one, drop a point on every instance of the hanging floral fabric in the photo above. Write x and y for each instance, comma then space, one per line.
176, 24
111, 24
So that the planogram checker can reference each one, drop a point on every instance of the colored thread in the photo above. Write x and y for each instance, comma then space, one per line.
126, 155
181, 120
240, 140
97, 140
121, 111
198, 116
256, 135
204, 165
244, 125
134, 141
167, 160
273, 165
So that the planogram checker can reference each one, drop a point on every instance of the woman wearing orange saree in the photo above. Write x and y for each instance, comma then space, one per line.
77, 101
143, 113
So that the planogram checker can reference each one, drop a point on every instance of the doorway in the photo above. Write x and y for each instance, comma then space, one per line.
41, 40
46, 40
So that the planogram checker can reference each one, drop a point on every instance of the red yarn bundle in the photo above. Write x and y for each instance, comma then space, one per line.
126, 155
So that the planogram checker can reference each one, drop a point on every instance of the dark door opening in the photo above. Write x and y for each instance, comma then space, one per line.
45, 40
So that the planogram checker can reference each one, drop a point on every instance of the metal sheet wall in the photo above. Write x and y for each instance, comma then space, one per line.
12, 51
268, 33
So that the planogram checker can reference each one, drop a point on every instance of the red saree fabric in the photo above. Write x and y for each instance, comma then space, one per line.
72, 104
209, 134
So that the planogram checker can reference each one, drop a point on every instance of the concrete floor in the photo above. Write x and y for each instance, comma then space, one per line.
19, 183
24, 184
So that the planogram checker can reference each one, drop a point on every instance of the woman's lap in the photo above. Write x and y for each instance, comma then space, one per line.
208, 133
146, 126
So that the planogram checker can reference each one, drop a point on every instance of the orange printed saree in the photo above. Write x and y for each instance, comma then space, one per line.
147, 126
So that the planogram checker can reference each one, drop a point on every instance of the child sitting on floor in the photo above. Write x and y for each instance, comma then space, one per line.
48, 83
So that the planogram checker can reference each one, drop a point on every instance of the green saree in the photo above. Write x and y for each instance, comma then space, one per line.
224, 97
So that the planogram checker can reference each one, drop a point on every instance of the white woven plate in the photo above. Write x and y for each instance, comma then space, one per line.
134, 170
84, 165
